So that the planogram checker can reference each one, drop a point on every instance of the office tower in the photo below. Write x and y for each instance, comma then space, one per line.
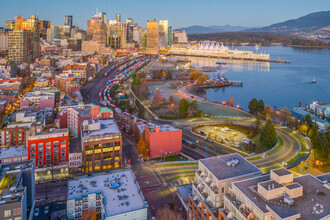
130, 26
170, 35
4, 39
163, 29
152, 36
117, 35
103, 16
18, 22
118, 17
10, 24
96, 30
18, 46
53, 33
43, 27
68, 20
180, 37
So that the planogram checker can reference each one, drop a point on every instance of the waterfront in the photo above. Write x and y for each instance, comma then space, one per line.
278, 84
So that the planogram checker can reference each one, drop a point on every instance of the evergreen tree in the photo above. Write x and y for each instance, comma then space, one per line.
183, 108
253, 106
261, 106
268, 134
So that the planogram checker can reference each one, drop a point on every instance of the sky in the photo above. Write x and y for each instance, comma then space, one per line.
179, 13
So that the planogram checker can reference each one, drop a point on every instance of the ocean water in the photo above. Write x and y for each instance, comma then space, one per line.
278, 84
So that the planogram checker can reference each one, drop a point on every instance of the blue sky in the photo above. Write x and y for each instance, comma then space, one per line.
180, 13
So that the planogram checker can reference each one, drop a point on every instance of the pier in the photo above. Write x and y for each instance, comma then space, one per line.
237, 83
229, 57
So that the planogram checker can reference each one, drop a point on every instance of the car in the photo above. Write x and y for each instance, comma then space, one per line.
36, 212
46, 211
227, 139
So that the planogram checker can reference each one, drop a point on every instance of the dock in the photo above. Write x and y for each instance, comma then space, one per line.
231, 58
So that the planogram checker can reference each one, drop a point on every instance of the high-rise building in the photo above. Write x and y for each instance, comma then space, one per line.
118, 17
18, 22
18, 46
103, 16
33, 33
152, 36
96, 29
180, 37
117, 32
17, 196
43, 27
53, 33
10, 24
170, 35
4, 39
163, 28
68, 20
130, 26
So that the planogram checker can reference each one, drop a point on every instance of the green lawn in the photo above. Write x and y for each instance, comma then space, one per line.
254, 158
5, 179
177, 157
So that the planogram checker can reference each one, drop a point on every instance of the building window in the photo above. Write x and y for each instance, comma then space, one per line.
18, 218
7, 213
17, 211
63, 142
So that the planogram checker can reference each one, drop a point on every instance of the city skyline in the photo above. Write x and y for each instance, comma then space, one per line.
209, 12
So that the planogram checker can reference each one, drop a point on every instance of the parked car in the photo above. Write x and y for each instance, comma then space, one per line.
46, 211
36, 212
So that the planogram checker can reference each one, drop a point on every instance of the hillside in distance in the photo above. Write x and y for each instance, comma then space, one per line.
196, 29
317, 23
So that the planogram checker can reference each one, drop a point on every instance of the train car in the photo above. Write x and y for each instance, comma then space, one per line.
112, 106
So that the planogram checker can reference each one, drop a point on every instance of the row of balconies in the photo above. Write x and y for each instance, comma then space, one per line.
241, 207
209, 183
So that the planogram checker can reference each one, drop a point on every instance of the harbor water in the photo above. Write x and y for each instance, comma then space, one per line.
278, 84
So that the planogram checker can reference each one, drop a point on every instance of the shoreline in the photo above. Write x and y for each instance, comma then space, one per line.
188, 91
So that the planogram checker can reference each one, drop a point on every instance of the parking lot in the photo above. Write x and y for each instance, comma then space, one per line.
223, 135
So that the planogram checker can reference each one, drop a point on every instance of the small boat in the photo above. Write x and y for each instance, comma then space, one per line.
221, 63
314, 81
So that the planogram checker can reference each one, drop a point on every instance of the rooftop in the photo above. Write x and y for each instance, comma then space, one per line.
119, 189
281, 172
311, 205
151, 127
107, 126
222, 170
14, 151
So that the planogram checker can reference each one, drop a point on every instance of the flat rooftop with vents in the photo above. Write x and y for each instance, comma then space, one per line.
229, 166
121, 194
303, 197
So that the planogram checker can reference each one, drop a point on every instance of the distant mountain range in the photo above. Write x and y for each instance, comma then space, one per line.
212, 29
317, 23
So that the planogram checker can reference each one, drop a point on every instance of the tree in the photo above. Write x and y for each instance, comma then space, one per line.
257, 124
313, 133
308, 119
231, 101
168, 214
183, 107
253, 106
261, 106
142, 146
169, 75
268, 134
157, 98
171, 99
268, 112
